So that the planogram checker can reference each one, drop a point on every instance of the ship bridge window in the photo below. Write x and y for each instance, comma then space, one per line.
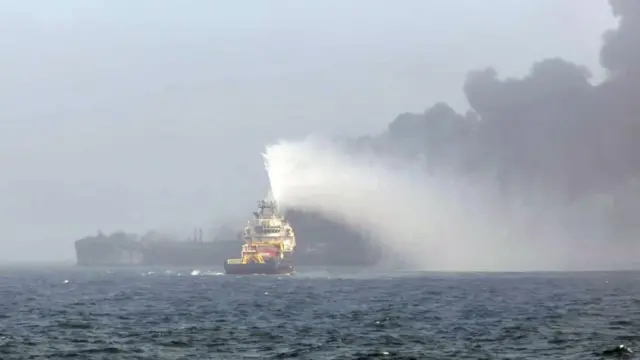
266, 230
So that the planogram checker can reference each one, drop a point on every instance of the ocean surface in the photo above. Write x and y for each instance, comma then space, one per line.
69, 312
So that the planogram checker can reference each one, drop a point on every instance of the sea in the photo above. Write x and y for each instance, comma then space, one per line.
62, 312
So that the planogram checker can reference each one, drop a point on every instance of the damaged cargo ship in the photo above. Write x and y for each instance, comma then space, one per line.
326, 243
154, 249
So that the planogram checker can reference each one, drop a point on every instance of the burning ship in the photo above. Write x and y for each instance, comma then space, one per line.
267, 236
269, 244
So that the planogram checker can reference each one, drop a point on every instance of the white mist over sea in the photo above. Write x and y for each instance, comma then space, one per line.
433, 222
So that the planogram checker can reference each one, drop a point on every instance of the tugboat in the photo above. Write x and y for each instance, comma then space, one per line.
269, 244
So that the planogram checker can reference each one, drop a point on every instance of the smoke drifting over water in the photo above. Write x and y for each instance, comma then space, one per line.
432, 222
542, 173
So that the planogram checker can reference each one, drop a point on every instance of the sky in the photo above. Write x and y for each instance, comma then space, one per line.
122, 115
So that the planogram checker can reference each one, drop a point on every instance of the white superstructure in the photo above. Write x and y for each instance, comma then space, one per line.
269, 230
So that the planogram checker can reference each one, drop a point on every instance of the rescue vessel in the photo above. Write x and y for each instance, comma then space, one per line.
269, 244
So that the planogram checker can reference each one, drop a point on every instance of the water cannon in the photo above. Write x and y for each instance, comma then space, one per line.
267, 204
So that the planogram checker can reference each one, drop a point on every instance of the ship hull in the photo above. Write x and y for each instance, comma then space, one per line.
267, 268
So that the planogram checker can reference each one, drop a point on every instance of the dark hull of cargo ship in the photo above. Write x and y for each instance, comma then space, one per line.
325, 244
114, 252
267, 268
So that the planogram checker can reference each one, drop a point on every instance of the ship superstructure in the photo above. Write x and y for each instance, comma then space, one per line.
269, 244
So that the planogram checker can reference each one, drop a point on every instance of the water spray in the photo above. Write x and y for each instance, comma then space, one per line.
434, 222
